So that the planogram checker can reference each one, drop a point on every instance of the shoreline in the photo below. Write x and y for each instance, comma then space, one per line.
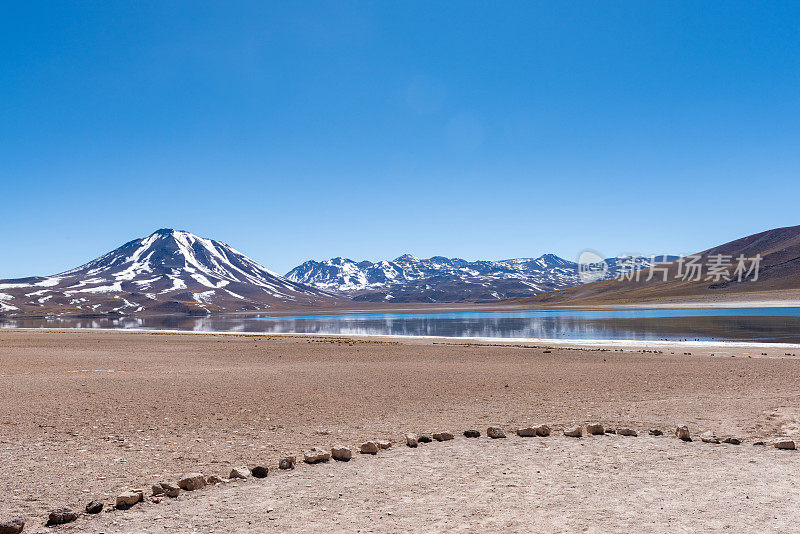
590, 343
456, 307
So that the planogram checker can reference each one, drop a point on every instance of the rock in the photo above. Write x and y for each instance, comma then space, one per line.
127, 499
12, 526
442, 436
315, 455
94, 507
542, 431
61, 516
411, 440
214, 480
573, 431
783, 443
170, 490
682, 433
424, 438
625, 431
157, 489
287, 463
341, 454
192, 481
385, 444
526, 432
611, 431
369, 447
241, 472
732, 441
260, 471
595, 429
472, 433
709, 437
655, 432
495, 432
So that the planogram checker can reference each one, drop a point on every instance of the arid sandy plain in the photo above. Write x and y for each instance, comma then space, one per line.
86, 415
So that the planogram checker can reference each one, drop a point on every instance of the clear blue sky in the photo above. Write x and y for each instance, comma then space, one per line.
366, 130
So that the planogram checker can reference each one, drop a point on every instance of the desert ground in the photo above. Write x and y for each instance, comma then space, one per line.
86, 415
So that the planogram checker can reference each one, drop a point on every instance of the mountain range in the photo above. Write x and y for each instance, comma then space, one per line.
172, 271
441, 279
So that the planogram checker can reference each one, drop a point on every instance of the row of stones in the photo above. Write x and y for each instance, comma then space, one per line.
195, 481
681, 432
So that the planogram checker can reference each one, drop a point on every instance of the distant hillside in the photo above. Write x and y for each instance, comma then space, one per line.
168, 271
778, 273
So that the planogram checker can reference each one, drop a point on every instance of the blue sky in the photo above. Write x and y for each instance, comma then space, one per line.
367, 130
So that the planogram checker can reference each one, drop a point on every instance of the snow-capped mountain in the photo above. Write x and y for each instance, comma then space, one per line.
440, 279
167, 271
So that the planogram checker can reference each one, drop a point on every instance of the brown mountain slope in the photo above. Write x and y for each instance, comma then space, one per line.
778, 276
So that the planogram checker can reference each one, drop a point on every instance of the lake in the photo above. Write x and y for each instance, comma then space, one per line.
733, 324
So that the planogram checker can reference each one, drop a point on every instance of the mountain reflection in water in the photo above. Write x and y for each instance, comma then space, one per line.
738, 324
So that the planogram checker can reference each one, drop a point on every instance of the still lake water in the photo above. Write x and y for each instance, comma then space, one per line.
734, 324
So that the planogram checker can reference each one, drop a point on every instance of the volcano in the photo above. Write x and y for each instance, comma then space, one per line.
168, 271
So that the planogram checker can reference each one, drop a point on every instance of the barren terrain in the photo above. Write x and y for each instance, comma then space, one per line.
86, 415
